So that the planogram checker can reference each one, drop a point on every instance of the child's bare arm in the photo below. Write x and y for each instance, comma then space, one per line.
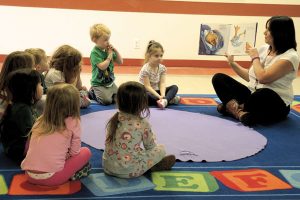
103, 65
149, 87
162, 85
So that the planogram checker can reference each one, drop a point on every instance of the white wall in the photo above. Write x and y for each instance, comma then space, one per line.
23, 27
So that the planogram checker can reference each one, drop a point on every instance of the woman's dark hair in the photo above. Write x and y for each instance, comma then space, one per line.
282, 30
22, 85
132, 99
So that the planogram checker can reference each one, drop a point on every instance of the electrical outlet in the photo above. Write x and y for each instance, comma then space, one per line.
137, 44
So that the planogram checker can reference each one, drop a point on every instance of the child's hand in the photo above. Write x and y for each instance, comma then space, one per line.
109, 51
84, 88
68, 156
110, 46
160, 97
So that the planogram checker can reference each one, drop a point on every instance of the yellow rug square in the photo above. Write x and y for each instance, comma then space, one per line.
3, 186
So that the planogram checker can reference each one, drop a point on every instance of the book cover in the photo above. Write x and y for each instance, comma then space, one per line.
217, 39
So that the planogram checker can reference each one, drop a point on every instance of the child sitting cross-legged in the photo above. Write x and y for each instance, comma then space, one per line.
130, 148
55, 154
24, 89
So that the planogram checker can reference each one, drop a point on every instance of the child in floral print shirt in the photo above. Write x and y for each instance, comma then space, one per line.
130, 148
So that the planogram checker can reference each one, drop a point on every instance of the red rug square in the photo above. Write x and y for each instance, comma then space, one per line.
296, 108
20, 186
250, 180
198, 101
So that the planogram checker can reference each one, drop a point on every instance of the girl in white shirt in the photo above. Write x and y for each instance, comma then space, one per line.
153, 77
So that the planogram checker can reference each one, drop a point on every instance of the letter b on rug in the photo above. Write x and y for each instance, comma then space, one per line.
102, 185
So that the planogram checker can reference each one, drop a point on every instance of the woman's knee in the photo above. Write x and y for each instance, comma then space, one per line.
266, 94
218, 77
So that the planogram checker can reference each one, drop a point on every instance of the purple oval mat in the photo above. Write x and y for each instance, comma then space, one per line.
187, 135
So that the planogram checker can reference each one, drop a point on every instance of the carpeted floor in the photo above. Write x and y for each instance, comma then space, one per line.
273, 173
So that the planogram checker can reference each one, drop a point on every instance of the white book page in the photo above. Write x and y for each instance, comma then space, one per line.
240, 34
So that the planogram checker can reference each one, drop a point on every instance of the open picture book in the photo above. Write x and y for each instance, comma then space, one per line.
217, 39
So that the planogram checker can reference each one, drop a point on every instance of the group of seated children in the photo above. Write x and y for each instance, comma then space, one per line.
40, 112
152, 75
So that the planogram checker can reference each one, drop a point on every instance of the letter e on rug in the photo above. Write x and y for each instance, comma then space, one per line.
184, 181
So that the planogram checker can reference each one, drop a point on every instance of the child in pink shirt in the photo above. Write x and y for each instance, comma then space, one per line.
55, 154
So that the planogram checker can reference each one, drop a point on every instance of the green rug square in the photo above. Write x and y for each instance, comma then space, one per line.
3, 186
184, 181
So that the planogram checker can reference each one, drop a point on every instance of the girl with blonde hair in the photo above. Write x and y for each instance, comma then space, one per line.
65, 67
153, 77
55, 154
41, 63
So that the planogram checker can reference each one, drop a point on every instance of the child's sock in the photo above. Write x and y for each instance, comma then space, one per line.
84, 99
165, 164
92, 95
162, 103
175, 100
83, 172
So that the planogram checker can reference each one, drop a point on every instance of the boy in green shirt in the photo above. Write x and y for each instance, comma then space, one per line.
103, 55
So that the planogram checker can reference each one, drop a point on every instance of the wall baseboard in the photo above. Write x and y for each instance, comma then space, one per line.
163, 6
169, 62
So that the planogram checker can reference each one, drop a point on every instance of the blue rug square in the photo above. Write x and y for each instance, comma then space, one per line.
103, 185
